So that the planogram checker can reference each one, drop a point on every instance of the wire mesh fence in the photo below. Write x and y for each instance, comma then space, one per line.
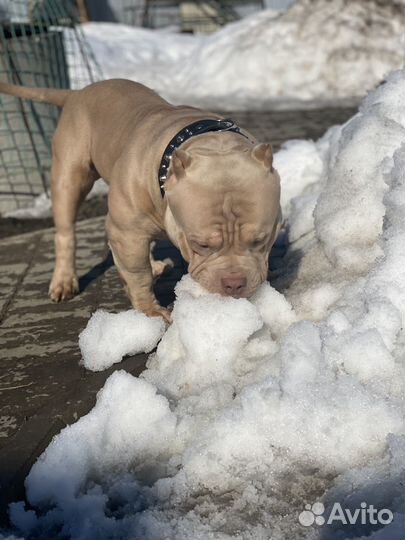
40, 45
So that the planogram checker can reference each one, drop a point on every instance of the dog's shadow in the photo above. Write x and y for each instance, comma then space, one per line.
98, 270
284, 262
164, 287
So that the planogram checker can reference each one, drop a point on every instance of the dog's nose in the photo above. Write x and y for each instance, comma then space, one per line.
233, 286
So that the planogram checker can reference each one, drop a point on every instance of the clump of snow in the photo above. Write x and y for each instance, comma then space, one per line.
316, 51
274, 309
108, 337
41, 206
248, 410
210, 338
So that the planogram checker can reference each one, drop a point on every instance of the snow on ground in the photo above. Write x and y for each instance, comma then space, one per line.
41, 206
317, 51
249, 410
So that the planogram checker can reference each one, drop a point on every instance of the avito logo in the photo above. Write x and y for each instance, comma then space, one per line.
366, 514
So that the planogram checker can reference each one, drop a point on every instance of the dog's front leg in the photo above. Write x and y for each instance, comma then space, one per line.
131, 252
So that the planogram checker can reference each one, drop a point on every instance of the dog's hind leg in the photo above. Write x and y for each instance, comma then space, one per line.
71, 182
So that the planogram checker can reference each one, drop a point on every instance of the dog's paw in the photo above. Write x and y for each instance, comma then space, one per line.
159, 311
63, 287
161, 267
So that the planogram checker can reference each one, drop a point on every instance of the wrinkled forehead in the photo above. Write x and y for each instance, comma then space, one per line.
199, 207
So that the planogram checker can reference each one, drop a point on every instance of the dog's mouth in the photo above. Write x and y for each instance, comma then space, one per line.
233, 282
233, 291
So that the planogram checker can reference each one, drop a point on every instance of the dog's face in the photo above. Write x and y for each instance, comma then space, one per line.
225, 206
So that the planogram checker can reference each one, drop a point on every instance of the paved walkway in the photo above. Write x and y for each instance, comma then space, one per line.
42, 386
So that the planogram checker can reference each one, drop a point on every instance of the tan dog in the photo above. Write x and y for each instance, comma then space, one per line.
222, 196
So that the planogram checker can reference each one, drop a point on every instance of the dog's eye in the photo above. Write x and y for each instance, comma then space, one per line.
258, 242
201, 248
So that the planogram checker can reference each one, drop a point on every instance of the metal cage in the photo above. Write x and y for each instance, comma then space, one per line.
40, 45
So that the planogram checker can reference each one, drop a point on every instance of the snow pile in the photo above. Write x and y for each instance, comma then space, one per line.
249, 410
316, 51
108, 337
41, 206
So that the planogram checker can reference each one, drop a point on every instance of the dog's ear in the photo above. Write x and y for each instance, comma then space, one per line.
180, 161
263, 153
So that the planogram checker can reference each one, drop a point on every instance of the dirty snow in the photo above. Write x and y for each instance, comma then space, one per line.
317, 51
248, 410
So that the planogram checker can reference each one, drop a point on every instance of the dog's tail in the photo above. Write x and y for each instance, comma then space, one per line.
44, 95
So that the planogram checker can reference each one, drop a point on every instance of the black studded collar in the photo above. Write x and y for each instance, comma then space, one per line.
196, 128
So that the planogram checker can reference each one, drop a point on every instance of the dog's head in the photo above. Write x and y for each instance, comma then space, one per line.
224, 211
